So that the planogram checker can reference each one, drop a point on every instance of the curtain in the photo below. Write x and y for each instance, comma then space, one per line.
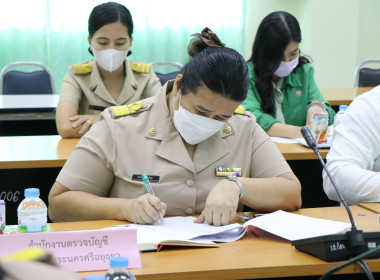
54, 32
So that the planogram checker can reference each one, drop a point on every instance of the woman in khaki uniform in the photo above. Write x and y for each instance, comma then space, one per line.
182, 138
108, 80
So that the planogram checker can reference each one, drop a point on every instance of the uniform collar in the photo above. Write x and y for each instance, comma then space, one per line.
128, 90
130, 84
171, 147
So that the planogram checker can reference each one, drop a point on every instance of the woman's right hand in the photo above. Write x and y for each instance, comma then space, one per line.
145, 209
84, 122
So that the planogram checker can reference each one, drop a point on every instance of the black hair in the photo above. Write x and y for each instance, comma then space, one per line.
222, 70
107, 13
274, 34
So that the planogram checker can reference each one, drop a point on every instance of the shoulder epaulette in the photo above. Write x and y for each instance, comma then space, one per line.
120, 111
239, 110
140, 67
80, 69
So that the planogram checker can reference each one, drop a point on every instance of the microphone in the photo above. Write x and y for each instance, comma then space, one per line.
335, 247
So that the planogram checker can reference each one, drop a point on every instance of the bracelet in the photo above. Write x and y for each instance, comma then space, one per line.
318, 103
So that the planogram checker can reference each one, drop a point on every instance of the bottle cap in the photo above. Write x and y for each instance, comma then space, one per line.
32, 192
119, 262
343, 107
95, 277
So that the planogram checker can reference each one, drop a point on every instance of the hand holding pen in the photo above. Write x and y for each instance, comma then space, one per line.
149, 190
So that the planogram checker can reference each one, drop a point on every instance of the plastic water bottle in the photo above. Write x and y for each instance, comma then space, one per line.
2, 216
119, 270
32, 212
338, 116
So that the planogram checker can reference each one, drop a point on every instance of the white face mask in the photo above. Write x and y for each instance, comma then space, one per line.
192, 127
286, 68
110, 59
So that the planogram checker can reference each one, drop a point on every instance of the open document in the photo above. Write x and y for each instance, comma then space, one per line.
293, 226
182, 231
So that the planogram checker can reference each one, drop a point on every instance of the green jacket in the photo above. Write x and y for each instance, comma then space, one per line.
299, 90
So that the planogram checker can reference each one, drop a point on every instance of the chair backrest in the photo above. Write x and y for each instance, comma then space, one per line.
19, 82
164, 77
367, 77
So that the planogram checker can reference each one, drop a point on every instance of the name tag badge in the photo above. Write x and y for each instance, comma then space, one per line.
152, 178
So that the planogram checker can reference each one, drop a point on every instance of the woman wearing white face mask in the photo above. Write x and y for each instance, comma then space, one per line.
282, 85
182, 138
107, 80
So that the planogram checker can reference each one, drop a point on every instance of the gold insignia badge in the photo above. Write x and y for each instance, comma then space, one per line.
140, 67
119, 111
239, 110
80, 69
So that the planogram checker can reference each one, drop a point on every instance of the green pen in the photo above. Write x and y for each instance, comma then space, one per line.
148, 188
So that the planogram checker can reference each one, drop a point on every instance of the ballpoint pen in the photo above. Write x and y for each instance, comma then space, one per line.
149, 189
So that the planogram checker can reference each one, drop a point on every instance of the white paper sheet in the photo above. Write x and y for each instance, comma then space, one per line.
293, 226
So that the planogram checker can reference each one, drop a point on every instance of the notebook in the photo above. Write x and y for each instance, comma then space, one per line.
182, 231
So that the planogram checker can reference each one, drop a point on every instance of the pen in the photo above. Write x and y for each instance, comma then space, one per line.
148, 188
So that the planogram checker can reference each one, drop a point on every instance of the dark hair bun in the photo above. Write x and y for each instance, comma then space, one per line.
203, 40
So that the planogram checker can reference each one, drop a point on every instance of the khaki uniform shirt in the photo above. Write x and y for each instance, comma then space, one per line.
83, 86
116, 150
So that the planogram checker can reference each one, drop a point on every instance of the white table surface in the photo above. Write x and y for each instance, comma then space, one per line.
29, 102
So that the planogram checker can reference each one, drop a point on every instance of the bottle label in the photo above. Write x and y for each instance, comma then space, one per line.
319, 125
32, 220
2, 216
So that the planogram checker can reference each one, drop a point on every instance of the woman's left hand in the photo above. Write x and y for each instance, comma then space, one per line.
221, 204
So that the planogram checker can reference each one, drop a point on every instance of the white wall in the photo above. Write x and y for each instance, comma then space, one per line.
256, 10
337, 34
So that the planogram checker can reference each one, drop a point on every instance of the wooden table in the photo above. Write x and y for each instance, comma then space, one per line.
267, 256
342, 96
35, 151
295, 151
374, 207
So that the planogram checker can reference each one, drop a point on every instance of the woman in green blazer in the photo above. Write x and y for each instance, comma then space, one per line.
282, 86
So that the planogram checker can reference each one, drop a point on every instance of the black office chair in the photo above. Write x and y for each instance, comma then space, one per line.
367, 77
168, 76
32, 82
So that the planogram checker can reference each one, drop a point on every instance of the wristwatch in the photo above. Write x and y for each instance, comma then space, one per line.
318, 103
235, 178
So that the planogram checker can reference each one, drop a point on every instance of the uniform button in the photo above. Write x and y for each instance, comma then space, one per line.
136, 85
91, 87
227, 129
189, 211
153, 132
190, 182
